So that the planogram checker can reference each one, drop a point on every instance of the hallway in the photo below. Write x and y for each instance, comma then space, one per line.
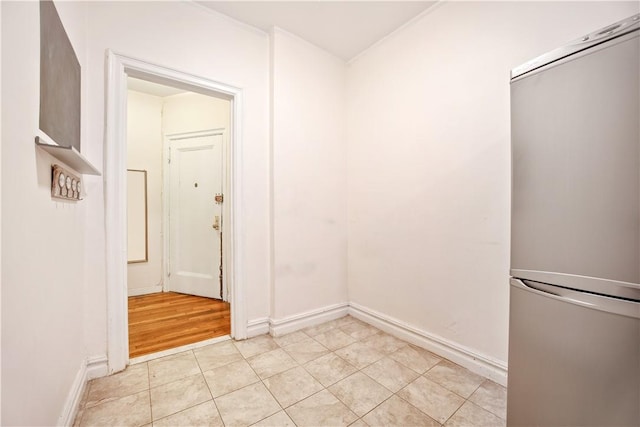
167, 320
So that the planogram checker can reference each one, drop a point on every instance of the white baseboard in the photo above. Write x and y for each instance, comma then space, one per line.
463, 356
97, 367
293, 323
257, 327
176, 350
92, 367
71, 404
134, 292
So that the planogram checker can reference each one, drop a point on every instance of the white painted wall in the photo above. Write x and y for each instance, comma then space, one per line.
191, 112
144, 151
185, 37
43, 240
149, 118
0, 215
309, 177
429, 166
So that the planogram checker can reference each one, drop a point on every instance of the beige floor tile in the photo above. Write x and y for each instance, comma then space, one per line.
306, 351
415, 358
271, 363
279, 419
390, 374
247, 406
132, 380
257, 345
292, 338
133, 410
171, 368
384, 342
360, 393
216, 355
231, 377
334, 339
321, 409
455, 378
342, 321
312, 331
205, 415
292, 386
179, 395
492, 397
294, 368
431, 398
359, 330
359, 355
330, 369
396, 412
470, 415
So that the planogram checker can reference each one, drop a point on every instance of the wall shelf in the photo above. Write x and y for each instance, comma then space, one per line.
70, 156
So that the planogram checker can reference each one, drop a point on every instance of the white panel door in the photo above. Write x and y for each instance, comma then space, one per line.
195, 219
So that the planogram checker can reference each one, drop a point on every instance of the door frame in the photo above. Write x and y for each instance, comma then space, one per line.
166, 200
118, 68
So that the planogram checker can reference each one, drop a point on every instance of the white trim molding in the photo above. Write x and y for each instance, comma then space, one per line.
92, 367
176, 350
463, 356
257, 327
119, 67
279, 327
97, 367
134, 292
72, 402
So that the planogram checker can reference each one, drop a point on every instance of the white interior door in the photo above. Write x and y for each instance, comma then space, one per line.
195, 219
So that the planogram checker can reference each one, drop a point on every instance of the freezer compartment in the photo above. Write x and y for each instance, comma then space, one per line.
576, 166
574, 358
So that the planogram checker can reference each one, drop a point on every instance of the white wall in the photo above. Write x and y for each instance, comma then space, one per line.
144, 151
309, 177
149, 118
191, 112
42, 239
0, 215
185, 37
429, 165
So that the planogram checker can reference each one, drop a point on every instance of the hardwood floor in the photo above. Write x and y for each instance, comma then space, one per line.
166, 320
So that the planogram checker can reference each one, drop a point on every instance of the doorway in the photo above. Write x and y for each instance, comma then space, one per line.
120, 68
175, 184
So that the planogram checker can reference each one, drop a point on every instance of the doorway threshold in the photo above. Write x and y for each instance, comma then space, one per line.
176, 350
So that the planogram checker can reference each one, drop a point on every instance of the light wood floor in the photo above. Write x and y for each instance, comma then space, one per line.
167, 320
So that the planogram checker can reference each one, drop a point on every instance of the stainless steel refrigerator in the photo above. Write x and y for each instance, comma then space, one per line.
574, 322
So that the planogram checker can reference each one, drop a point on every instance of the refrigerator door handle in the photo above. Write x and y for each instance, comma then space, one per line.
597, 302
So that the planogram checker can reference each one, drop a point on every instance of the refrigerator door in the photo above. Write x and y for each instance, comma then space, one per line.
574, 358
576, 170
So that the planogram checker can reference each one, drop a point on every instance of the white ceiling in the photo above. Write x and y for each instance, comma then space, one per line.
151, 88
343, 28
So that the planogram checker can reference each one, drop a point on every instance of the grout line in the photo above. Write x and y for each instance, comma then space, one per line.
149, 390
262, 382
378, 405
454, 412
218, 410
297, 364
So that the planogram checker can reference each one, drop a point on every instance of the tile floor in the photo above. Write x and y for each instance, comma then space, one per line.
340, 373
